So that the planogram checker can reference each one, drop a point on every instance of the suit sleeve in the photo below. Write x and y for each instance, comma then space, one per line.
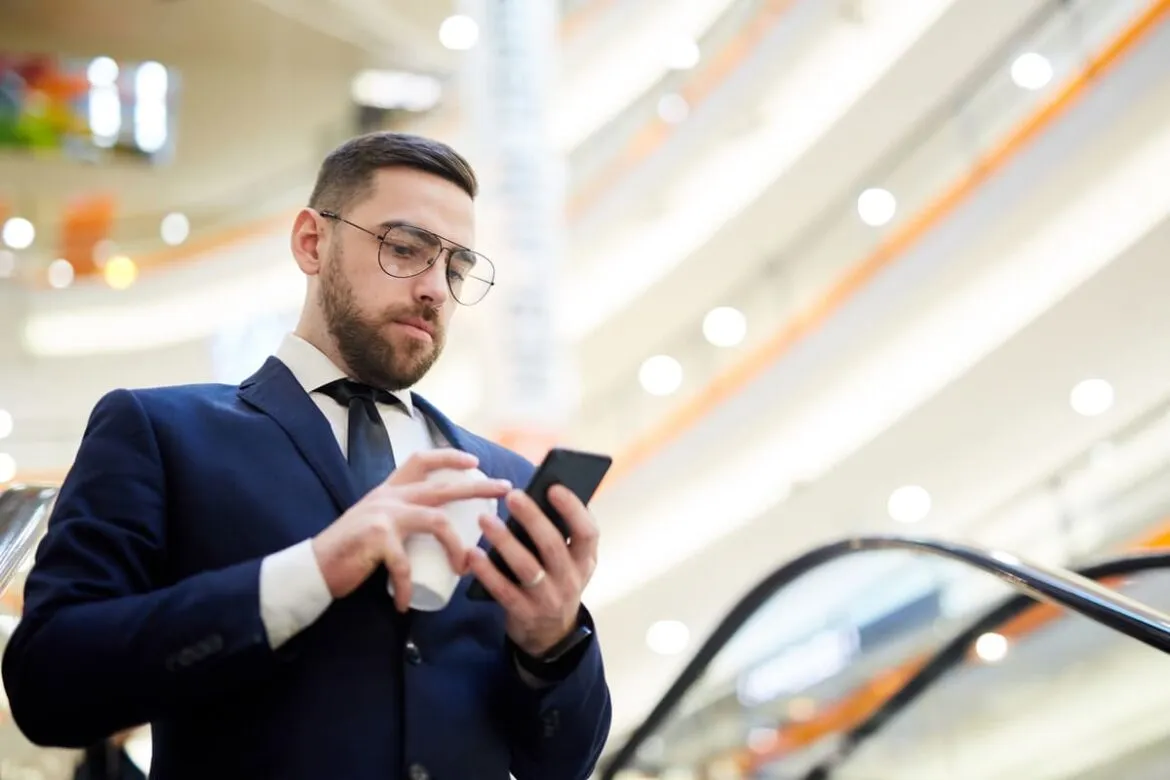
559, 731
105, 642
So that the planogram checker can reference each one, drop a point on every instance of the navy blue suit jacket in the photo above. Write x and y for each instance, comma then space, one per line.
143, 606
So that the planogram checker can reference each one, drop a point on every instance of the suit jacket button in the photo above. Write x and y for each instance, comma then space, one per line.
413, 654
551, 721
419, 772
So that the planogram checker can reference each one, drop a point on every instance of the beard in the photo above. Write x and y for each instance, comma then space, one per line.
372, 357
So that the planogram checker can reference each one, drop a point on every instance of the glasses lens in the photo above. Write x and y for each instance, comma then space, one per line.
406, 251
470, 276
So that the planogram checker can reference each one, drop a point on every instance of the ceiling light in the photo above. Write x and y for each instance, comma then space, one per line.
102, 72
174, 229
991, 647
673, 108
7, 467
660, 375
120, 272
60, 274
6, 423
458, 32
725, 326
389, 90
1031, 71
18, 233
682, 54
1091, 397
876, 206
668, 637
909, 504
7, 263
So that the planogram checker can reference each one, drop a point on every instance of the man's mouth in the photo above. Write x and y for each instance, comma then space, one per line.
418, 325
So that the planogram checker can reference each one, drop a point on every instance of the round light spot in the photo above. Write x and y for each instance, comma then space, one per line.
120, 272
459, 32
1092, 397
673, 108
1031, 71
668, 637
174, 229
660, 375
18, 233
725, 326
909, 504
876, 206
991, 647
60, 274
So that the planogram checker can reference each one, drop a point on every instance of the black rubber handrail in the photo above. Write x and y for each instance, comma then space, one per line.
1061, 587
954, 652
24, 511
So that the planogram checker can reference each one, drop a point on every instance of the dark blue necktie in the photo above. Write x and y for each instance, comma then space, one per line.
369, 454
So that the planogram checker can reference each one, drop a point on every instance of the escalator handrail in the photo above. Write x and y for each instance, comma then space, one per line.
1057, 586
956, 650
24, 511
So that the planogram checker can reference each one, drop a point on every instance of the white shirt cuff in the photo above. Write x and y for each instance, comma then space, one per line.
293, 593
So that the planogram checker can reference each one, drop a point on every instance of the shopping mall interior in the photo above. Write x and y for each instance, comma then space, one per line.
865, 298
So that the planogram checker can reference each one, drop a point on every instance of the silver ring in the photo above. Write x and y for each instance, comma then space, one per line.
539, 578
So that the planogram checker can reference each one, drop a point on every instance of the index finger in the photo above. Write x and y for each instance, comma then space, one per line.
440, 493
423, 463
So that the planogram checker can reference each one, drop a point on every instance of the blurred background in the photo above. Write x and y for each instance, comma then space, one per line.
806, 268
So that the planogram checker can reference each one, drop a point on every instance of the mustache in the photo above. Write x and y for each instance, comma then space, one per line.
428, 314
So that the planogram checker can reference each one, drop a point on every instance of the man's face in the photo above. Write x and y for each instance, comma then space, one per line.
390, 331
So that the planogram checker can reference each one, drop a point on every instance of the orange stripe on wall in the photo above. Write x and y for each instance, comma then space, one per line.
735, 378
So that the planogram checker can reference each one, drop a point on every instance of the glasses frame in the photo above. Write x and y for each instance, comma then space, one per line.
446, 246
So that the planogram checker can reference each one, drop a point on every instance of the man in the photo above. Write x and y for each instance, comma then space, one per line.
218, 559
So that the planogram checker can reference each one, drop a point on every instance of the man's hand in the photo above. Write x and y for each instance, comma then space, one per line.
543, 609
374, 529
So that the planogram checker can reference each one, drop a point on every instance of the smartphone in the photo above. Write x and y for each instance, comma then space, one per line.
580, 472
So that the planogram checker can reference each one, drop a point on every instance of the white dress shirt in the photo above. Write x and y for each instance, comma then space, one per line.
293, 593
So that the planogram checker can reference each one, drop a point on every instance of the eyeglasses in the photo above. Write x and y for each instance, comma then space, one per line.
407, 250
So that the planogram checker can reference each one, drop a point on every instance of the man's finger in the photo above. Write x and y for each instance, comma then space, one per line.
419, 465
398, 564
583, 528
440, 493
554, 553
507, 595
423, 520
522, 562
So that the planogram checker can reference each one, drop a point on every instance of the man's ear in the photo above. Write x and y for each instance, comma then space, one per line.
307, 241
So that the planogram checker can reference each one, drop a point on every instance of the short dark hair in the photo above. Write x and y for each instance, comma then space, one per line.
347, 173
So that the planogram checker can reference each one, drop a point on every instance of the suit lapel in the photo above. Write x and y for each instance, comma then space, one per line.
454, 435
275, 392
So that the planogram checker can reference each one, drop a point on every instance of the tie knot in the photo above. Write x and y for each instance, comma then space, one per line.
346, 390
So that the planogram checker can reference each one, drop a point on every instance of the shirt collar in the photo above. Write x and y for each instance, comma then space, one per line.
313, 370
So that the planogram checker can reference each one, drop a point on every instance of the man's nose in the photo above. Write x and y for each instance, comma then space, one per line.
431, 286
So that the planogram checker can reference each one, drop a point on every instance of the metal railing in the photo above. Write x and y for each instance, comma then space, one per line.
1074, 591
24, 511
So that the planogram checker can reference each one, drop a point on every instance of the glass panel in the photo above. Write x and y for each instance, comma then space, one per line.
1048, 696
822, 655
